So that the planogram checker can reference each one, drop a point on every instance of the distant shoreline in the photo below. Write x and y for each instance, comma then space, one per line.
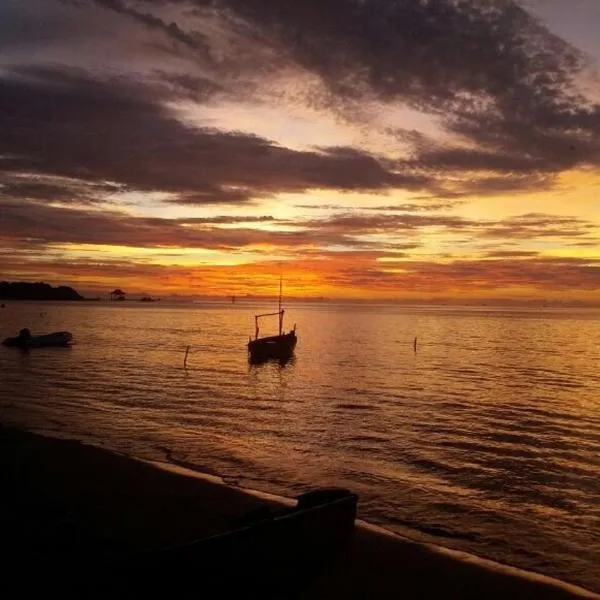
257, 301
25, 291
28, 291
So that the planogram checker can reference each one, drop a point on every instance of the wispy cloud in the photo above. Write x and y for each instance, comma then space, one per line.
464, 276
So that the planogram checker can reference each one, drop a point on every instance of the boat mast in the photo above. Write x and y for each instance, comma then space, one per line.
280, 311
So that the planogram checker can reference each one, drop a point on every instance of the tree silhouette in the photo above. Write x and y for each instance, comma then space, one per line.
117, 295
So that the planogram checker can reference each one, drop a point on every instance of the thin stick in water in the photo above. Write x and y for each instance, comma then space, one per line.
186, 355
415, 344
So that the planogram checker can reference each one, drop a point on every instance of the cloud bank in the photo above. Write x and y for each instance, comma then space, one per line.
102, 99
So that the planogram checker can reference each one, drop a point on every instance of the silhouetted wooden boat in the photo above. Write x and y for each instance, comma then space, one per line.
280, 346
26, 340
269, 553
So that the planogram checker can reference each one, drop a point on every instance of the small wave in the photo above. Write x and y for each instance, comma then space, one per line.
435, 530
367, 439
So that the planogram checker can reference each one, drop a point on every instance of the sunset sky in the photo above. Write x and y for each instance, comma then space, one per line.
390, 149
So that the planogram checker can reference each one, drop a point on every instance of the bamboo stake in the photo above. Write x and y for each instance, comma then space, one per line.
186, 355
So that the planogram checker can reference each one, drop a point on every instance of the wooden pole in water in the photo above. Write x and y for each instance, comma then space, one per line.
185, 358
415, 344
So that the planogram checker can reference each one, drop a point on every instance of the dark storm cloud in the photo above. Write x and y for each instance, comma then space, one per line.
32, 24
490, 73
427, 52
64, 123
493, 73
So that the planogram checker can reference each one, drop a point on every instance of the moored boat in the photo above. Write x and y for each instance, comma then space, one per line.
276, 346
280, 346
26, 340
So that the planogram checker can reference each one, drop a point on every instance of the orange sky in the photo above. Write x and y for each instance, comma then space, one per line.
175, 148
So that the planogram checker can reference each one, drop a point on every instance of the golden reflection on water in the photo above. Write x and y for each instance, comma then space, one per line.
487, 437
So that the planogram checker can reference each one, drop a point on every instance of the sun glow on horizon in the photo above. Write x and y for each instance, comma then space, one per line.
210, 149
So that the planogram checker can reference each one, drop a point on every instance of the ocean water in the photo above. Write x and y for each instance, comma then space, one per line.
486, 439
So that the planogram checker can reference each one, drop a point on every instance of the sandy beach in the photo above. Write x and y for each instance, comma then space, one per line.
48, 483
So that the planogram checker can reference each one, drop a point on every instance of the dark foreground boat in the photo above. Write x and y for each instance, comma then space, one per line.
26, 340
280, 347
269, 553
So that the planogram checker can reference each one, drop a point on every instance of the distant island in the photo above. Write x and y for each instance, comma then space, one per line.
22, 290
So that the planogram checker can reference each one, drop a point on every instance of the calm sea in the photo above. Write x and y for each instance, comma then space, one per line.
486, 439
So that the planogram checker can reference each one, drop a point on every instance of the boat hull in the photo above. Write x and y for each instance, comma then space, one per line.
279, 347
58, 338
270, 553
267, 558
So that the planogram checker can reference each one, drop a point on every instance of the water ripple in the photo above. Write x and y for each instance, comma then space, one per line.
487, 438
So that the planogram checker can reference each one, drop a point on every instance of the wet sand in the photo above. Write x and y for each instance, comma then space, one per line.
48, 482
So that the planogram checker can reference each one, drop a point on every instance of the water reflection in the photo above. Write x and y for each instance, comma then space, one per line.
282, 361
492, 426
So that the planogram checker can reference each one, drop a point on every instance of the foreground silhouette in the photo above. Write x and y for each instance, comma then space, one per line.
267, 554
79, 521
82, 522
